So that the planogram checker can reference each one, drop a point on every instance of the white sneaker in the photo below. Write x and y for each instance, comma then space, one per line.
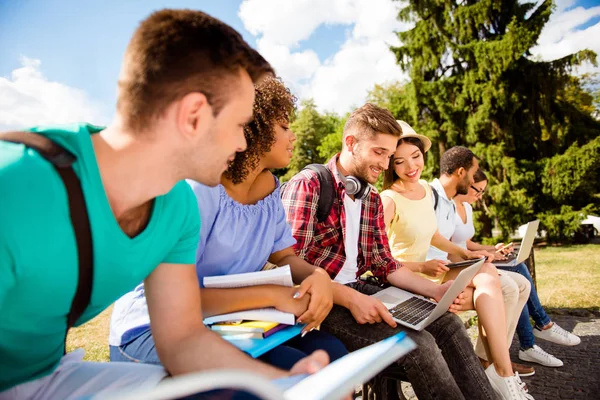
509, 388
557, 335
537, 355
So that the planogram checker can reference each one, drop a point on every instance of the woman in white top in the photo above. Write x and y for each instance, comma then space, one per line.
412, 226
544, 327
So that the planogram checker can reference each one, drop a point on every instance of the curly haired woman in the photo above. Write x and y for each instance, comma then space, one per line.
244, 228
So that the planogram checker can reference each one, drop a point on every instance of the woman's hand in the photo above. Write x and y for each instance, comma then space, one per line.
290, 303
500, 248
478, 254
319, 288
434, 267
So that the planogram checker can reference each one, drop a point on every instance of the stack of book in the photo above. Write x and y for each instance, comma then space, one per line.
248, 329
251, 324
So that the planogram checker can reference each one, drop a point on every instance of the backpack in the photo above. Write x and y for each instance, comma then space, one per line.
62, 160
326, 192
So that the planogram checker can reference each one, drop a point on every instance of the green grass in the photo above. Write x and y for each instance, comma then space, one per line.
567, 277
93, 337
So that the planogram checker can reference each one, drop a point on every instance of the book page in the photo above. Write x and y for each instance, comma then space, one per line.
338, 378
259, 314
281, 276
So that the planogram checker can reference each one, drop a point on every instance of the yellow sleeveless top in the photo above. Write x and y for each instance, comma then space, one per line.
413, 225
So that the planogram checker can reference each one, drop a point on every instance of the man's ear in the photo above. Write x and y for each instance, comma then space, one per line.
193, 114
350, 142
460, 172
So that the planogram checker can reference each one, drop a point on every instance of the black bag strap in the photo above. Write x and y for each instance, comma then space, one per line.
436, 197
62, 160
326, 192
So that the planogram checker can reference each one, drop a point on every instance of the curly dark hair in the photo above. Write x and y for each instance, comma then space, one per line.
273, 103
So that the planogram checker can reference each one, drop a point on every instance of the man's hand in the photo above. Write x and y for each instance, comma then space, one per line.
366, 309
463, 302
441, 290
434, 267
320, 290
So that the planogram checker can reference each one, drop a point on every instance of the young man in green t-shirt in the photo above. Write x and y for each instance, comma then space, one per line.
185, 92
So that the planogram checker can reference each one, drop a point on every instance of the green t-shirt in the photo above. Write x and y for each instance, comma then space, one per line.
38, 253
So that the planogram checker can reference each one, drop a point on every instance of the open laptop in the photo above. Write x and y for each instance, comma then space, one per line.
416, 311
525, 248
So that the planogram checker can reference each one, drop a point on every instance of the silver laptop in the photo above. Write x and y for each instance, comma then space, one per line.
525, 248
416, 311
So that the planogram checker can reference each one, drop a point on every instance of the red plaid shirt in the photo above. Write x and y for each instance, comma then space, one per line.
322, 244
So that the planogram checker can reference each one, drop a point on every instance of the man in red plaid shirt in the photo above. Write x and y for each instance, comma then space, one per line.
352, 240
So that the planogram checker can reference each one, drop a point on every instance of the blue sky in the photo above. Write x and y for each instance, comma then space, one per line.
81, 43
333, 52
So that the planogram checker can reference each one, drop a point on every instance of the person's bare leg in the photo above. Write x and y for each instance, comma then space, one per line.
484, 343
489, 305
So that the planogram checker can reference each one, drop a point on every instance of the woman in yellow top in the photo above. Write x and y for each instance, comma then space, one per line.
412, 228
408, 210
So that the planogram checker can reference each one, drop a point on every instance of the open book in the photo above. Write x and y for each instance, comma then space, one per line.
281, 276
333, 382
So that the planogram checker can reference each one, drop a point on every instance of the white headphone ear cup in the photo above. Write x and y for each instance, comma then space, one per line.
353, 185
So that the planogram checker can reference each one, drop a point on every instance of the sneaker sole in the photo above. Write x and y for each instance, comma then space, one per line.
525, 358
527, 374
558, 343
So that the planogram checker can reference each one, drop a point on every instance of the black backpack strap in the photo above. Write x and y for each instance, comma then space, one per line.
326, 192
62, 160
436, 197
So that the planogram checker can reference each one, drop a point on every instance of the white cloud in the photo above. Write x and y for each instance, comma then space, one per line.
561, 35
27, 98
342, 80
289, 22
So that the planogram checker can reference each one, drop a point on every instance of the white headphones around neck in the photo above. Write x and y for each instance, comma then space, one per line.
355, 186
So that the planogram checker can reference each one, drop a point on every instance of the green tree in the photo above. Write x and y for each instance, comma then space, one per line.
311, 128
391, 96
332, 143
474, 83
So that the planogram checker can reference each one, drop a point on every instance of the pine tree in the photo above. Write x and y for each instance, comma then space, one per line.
474, 83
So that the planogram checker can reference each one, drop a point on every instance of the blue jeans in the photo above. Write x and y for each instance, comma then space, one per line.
533, 308
284, 356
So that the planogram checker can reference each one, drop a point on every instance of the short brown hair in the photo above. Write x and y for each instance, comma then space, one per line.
273, 104
176, 52
367, 121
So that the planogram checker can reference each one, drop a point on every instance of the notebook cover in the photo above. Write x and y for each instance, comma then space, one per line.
258, 347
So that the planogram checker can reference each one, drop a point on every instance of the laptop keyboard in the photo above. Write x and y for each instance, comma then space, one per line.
413, 310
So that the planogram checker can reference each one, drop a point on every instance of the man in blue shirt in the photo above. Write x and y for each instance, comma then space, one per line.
185, 92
